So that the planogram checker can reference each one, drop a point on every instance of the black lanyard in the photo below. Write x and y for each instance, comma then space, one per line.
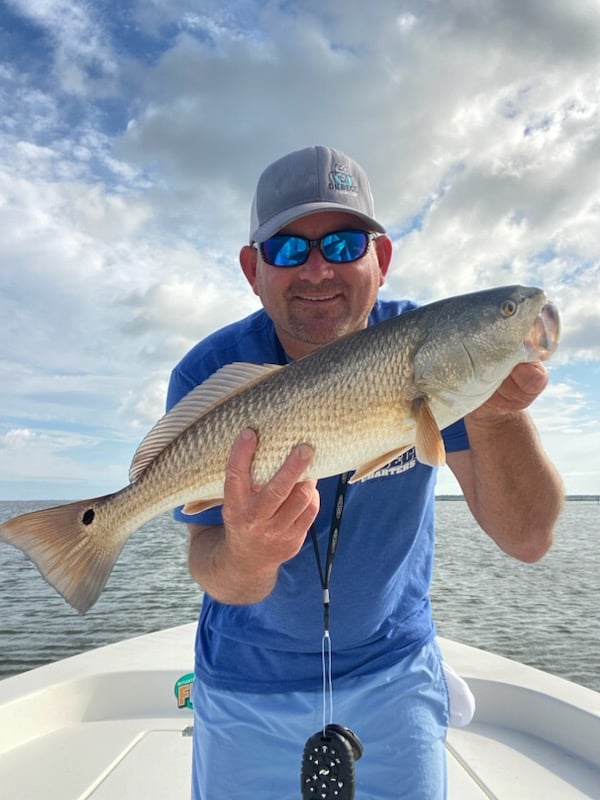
334, 745
334, 535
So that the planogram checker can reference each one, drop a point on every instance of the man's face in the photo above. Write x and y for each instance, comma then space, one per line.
317, 302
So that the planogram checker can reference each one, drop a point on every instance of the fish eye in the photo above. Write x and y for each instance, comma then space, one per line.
508, 308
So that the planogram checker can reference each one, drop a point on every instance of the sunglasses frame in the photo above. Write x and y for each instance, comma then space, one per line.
312, 243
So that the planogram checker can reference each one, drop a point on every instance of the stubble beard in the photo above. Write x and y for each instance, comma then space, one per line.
320, 328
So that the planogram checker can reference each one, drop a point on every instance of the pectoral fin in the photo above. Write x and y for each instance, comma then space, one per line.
429, 445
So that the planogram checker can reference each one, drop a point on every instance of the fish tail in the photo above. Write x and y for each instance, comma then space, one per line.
72, 548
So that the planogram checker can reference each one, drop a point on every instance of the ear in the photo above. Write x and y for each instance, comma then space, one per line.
248, 260
383, 246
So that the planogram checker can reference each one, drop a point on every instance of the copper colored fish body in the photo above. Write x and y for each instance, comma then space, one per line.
359, 402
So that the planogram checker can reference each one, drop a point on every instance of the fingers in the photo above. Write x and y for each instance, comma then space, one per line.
298, 510
282, 485
521, 388
263, 527
515, 393
274, 517
238, 480
530, 379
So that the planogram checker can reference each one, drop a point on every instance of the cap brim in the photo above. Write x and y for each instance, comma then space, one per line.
284, 218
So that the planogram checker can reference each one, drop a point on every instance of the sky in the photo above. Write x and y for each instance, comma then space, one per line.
131, 138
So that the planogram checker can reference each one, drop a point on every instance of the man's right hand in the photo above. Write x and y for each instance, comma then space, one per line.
263, 526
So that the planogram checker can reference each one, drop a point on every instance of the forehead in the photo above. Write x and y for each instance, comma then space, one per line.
315, 225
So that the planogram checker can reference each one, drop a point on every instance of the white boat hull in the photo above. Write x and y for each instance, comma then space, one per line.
105, 725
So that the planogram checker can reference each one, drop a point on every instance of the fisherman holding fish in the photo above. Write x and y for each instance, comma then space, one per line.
301, 450
316, 258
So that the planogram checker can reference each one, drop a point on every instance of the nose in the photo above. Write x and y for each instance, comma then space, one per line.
316, 268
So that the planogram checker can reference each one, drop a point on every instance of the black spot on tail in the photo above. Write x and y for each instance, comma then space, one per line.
88, 516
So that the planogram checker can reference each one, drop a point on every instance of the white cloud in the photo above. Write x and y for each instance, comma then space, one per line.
50, 454
143, 407
19, 437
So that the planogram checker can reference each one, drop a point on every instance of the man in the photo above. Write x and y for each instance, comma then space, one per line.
316, 259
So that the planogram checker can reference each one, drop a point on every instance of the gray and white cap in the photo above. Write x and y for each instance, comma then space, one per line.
313, 179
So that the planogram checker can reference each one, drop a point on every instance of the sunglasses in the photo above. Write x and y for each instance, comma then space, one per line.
338, 247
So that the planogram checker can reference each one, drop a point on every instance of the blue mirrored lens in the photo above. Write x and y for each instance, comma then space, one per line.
285, 251
339, 247
344, 246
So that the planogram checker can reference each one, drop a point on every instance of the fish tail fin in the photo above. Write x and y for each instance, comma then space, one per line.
71, 546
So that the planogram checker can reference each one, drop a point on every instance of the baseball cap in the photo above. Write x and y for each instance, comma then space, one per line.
313, 179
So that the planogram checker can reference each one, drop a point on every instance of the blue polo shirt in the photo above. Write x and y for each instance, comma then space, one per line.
379, 587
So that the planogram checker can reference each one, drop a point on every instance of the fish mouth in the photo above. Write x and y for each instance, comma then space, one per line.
542, 338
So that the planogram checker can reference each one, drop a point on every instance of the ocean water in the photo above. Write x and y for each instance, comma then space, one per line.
545, 614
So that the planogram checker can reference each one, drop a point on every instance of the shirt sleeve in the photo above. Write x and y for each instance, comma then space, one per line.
455, 437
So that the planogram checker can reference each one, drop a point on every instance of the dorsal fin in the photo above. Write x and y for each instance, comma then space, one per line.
226, 382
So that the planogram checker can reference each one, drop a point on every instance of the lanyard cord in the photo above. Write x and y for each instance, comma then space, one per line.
334, 535
325, 575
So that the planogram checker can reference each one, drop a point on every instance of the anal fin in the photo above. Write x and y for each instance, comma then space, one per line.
370, 467
197, 506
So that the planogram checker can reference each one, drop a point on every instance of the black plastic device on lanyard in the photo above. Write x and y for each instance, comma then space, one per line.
330, 754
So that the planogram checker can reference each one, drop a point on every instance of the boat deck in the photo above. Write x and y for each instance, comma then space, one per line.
105, 726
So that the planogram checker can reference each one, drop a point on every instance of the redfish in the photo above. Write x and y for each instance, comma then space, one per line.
359, 402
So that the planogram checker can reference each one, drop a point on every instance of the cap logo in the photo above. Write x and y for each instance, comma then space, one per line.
341, 180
